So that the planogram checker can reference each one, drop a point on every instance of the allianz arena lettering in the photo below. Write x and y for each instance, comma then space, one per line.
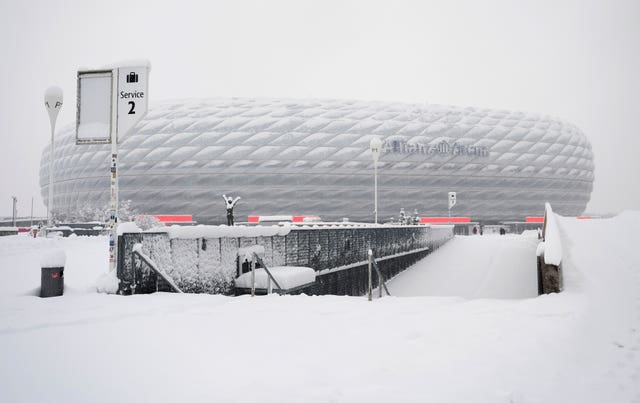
312, 157
441, 149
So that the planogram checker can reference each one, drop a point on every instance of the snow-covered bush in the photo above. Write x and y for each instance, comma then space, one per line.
146, 222
88, 213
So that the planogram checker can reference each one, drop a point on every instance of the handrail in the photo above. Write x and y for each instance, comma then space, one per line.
384, 283
153, 266
264, 266
381, 282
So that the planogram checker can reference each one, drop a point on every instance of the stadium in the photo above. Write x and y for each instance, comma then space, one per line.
312, 157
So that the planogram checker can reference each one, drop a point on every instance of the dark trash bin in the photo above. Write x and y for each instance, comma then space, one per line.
52, 282
52, 276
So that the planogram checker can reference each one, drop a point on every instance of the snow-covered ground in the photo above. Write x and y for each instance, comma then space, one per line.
581, 345
488, 266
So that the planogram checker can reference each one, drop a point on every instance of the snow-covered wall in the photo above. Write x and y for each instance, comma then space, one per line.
549, 255
4, 231
210, 264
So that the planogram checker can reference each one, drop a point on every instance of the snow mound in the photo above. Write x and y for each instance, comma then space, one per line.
53, 258
287, 277
108, 283
474, 267
553, 243
540, 249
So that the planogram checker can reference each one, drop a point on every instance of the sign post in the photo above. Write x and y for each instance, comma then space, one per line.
110, 103
452, 202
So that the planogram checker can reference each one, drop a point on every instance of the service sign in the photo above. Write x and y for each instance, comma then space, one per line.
452, 199
132, 96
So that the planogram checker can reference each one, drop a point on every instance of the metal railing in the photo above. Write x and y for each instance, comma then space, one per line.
137, 251
381, 283
270, 277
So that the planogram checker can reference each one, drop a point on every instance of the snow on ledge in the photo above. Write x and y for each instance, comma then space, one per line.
210, 231
127, 63
128, 227
223, 231
552, 241
287, 276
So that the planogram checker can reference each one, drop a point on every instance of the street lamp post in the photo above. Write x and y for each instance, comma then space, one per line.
15, 210
53, 103
375, 145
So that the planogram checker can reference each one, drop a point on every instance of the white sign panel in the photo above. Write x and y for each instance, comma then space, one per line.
94, 108
452, 199
132, 96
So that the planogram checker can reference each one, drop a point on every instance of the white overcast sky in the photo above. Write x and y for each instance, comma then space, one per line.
577, 60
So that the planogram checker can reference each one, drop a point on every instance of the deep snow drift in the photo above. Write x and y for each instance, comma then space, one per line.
581, 345
488, 266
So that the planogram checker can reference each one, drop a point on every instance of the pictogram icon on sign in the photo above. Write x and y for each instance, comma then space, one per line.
132, 77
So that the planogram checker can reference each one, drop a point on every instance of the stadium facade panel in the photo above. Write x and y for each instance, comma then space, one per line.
312, 157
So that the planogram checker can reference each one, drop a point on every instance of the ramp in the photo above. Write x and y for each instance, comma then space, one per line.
488, 266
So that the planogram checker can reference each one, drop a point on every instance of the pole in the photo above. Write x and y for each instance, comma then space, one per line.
253, 278
369, 288
50, 201
113, 203
375, 190
269, 289
379, 281
31, 225
113, 236
15, 201
374, 145
53, 102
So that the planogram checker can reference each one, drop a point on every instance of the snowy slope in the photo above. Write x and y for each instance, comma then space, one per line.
577, 346
489, 266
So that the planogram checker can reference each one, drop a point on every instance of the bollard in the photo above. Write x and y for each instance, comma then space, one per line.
52, 273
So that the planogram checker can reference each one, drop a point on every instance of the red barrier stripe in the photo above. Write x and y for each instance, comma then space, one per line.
292, 218
301, 218
444, 220
174, 218
534, 219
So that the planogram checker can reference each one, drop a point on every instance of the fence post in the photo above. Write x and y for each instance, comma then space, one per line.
369, 269
379, 283
253, 279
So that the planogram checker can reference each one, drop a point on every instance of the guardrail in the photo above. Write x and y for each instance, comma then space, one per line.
137, 252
